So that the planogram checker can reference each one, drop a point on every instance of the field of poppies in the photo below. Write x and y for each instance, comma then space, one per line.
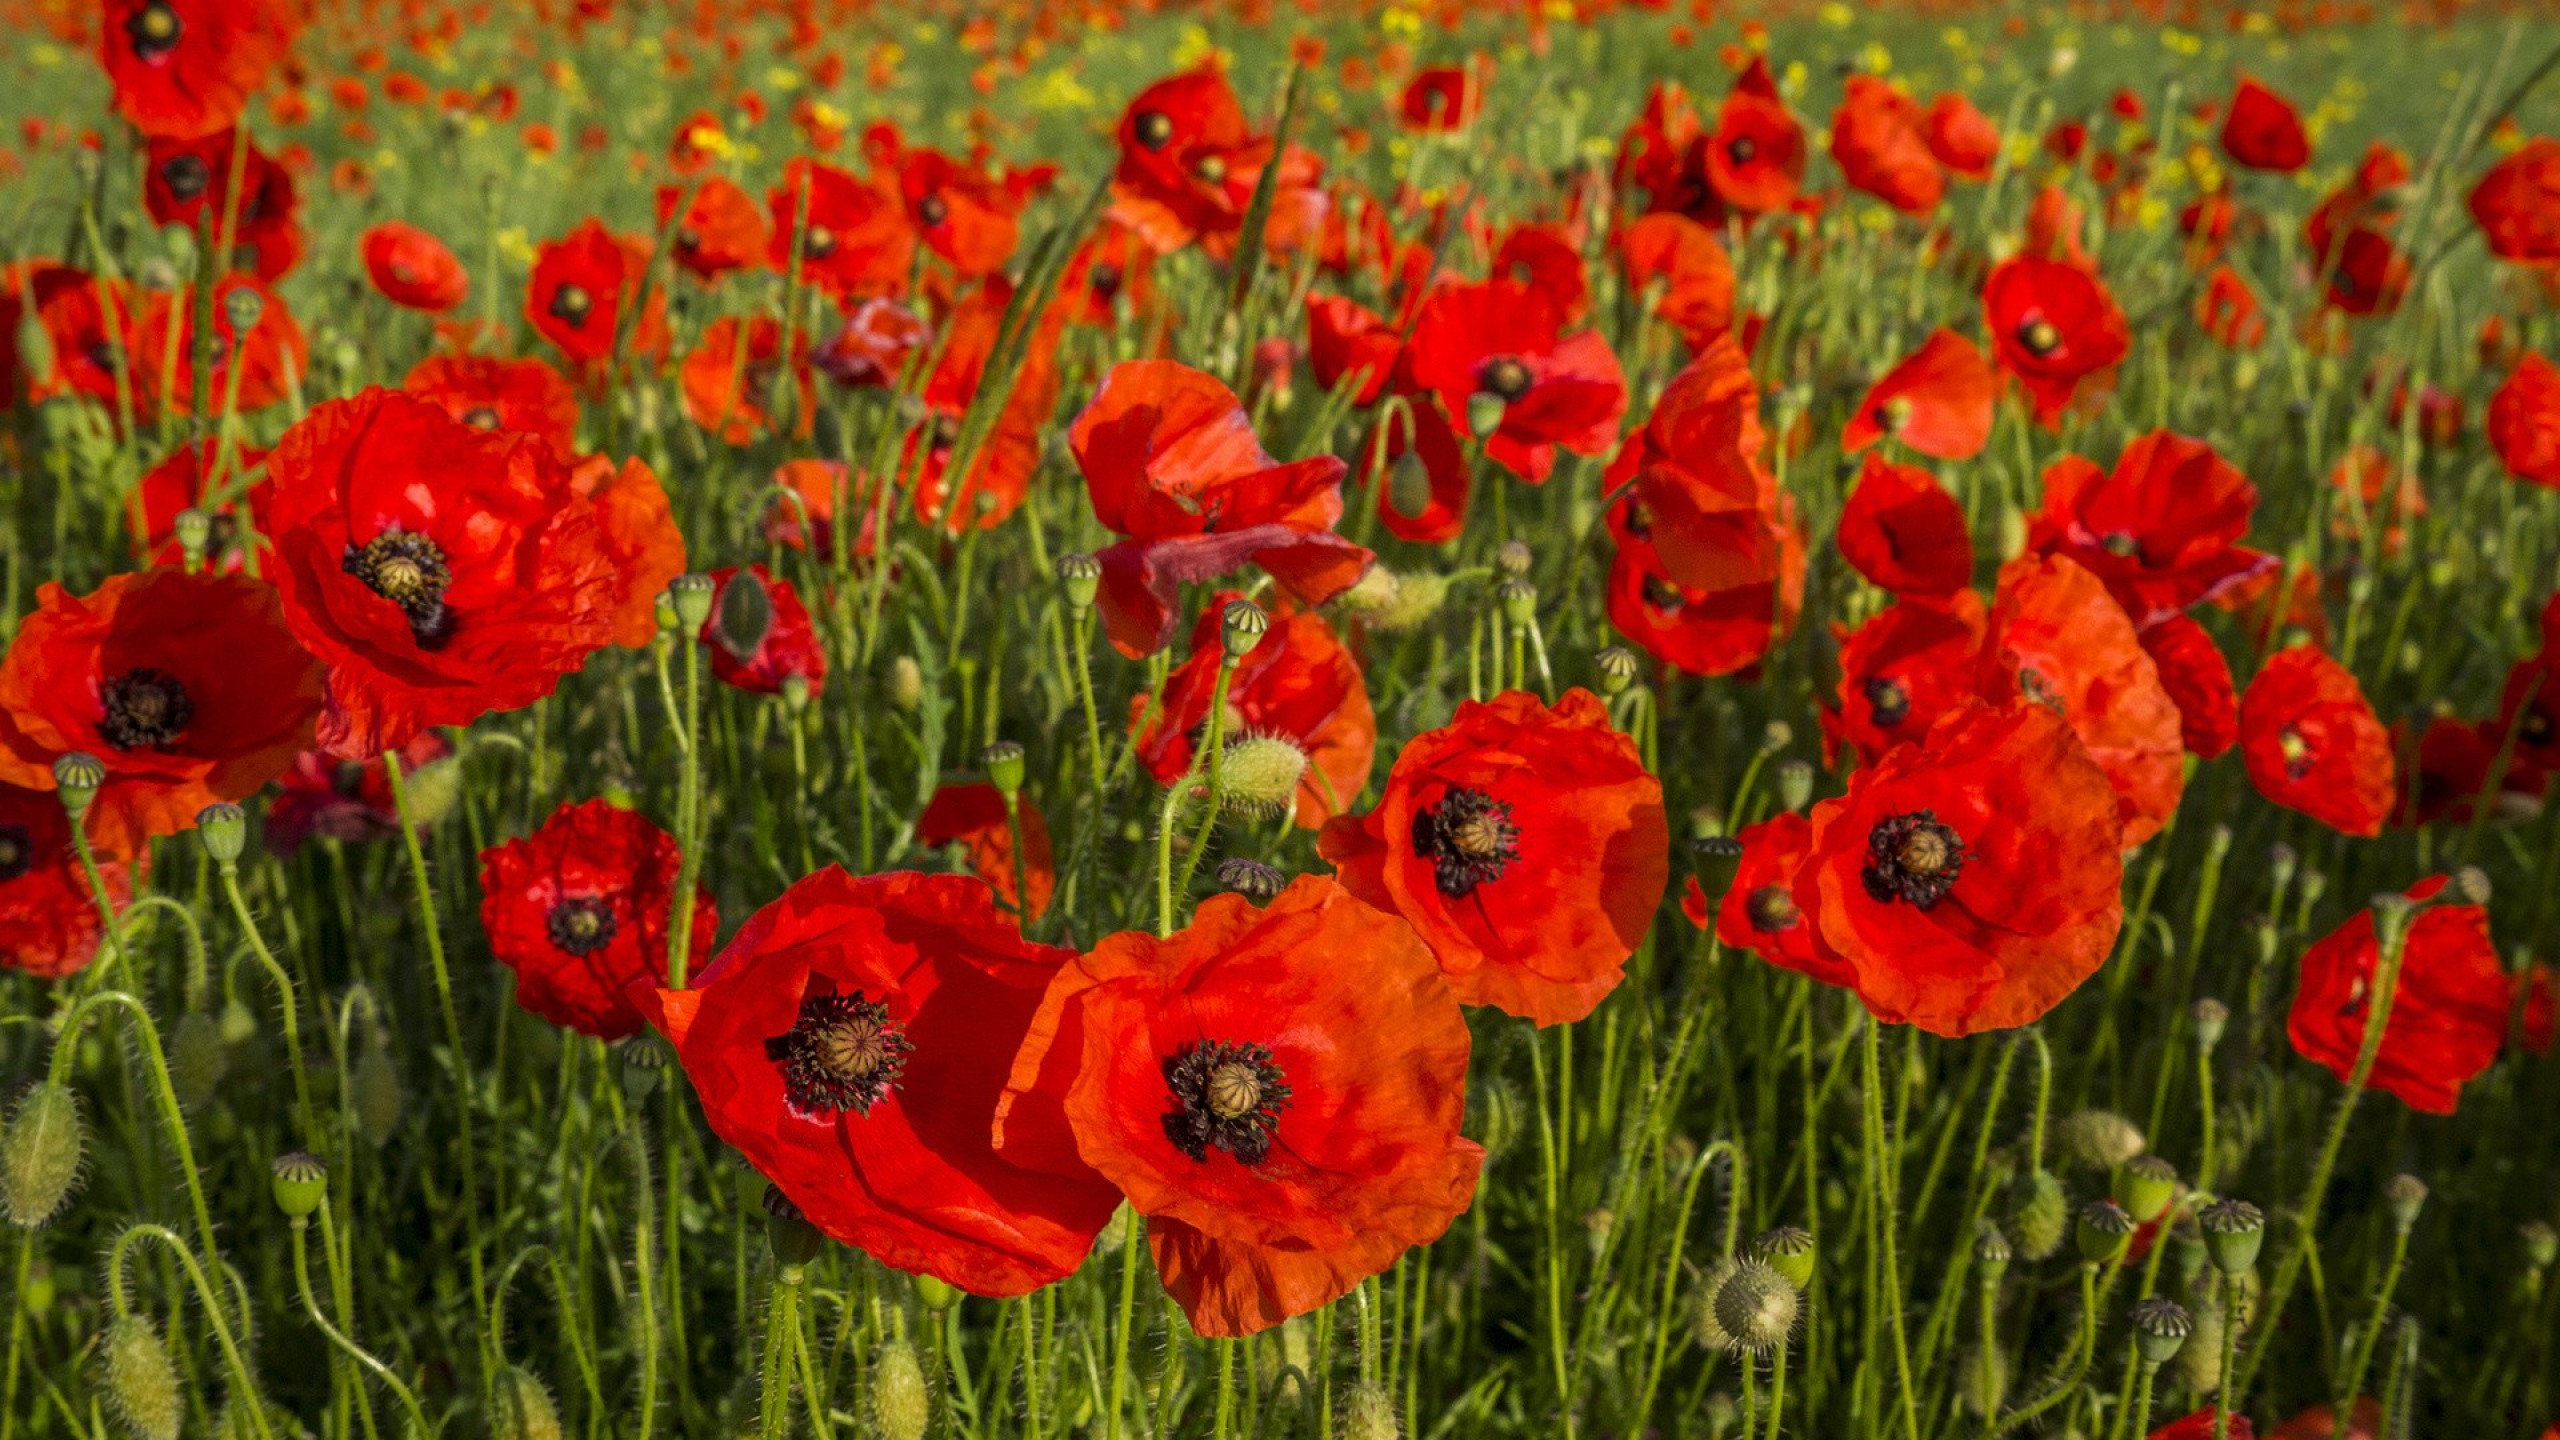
878, 718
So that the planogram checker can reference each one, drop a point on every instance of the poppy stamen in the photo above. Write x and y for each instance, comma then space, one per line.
1912, 857
1229, 1096
1895, 413
2296, 750
154, 30
407, 569
1212, 169
933, 210
819, 243
572, 303
1469, 838
17, 851
1154, 129
842, 1053
1504, 376
1888, 701
1104, 279
2040, 336
145, 709
187, 176
1662, 595
1772, 909
1743, 150
583, 925
481, 417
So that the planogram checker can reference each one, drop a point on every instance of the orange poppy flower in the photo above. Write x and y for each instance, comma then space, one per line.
580, 286
1876, 140
48, 918
1754, 162
2053, 325
2312, 743
1690, 265
2199, 682
2517, 204
1938, 401
724, 229
412, 268
1961, 137
731, 394
640, 534
959, 213
972, 817
1909, 664
1904, 532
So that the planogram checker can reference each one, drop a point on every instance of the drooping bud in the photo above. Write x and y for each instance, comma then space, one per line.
1982, 1381
2144, 1186
301, 1184
2039, 1215
692, 593
1418, 597
223, 829
520, 1407
2406, 1195
1004, 764
1789, 1250
77, 776
1494, 1119
1708, 1317
1260, 774
2233, 1232
900, 1406
2104, 1233
742, 615
936, 1293
1616, 668
2100, 1139
2160, 1327
40, 1154
140, 1383
2199, 1361
1369, 1413
2541, 1243
1757, 1307
1241, 626
1080, 577
795, 1241
239, 1023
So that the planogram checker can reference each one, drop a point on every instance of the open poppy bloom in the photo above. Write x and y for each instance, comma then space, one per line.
1548, 258
733, 394
972, 817
1114, 264
1907, 665
1444, 98
1286, 1120
853, 1039
1938, 401
1961, 137
177, 484
1496, 353
853, 235
760, 635
2053, 325
1970, 880
724, 229
1299, 684
2312, 742
2200, 1426
2261, 130
2455, 761
1692, 269
440, 572
190, 183
188, 687
580, 285
2198, 680
1664, 153
1190, 163
94, 328
2228, 310
961, 215
640, 535
1754, 161
2162, 528
525, 397
1707, 630
1758, 912
1344, 338
999, 478
1526, 844
1904, 532
580, 909
1170, 461
1700, 496
2517, 204
48, 918
2448, 1012
2529, 702
412, 268
2320, 1422
1877, 142
186, 68
2524, 421
1421, 473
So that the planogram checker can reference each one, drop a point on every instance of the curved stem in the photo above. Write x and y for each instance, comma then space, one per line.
311, 1305
162, 1091
285, 998
244, 1386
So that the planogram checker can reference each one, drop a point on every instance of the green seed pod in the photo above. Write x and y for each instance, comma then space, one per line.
1484, 413
76, 777
1715, 860
1251, 879
2541, 1243
239, 1023
140, 1383
2406, 1195
1259, 774
1795, 784
937, 1294
645, 1060
1991, 1256
40, 1155
1241, 626
2210, 1018
2039, 1215
1004, 763
1080, 577
1789, 1250
2104, 1231
194, 529
2100, 1139
1617, 668
900, 1405
1368, 1413
1982, 1381
244, 308
224, 831
2145, 1186
2234, 1230
197, 1058
301, 1184
691, 594
1757, 1306
520, 1407
1519, 602
1514, 558
375, 1088
2160, 1327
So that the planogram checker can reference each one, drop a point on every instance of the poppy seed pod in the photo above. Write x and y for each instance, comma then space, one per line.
244, 308
40, 1154
1519, 601
2160, 1327
520, 1407
668, 617
2210, 1017
1616, 669
936, 1293
2406, 1195
1991, 1255
1369, 1413
1260, 774
1241, 626
2233, 1232
1251, 879
301, 1184
194, 529
1080, 576
692, 594
1484, 413
1003, 761
2039, 1215
224, 830
645, 1058
1789, 1250
1715, 860
2104, 1233
2145, 1185
1514, 557
1709, 1317
141, 1384
900, 1406
1757, 1307
78, 776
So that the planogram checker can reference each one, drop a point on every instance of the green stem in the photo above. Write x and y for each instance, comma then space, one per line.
285, 1000
311, 1306
1130, 1241
1886, 1175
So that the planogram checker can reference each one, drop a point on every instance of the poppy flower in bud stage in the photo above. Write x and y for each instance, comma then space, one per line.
1961, 137
439, 572
1444, 98
1420, 471
733, 395
972, 817
760, 635
1938, 401
1496, 354
1299, 684
190, 183
412, 268
2200, 1426
1754, 160
580, 910
853, 234
1345, 337
640, 535
2162, 528
1877, 141
177, 484
2517, 204
2053, 325
2261, 130
1170, 461
1189, 166
2199, 682
1910, 663
2448, 1012
1758, 912
960, 214
853, 1040
580, 284
1691, 268
723, 230
1286, 1120
2524, 421
491, 395
1525, 843
2312, 743
48, 916
1972, 879
1904, 532
255, 363
187, 687
183, 69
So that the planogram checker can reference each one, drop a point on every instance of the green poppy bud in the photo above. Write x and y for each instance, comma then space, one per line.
41, 1150
520, 1407
140, 1384
1259, 774
2039, 1214
795, 1241
1484, 413
900, 1405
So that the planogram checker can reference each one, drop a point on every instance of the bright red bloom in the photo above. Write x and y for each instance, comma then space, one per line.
412, 268
1278, 1091
1758, 912
2261, 130
2162, 528
972, 817
959, 213
758, 658
1664, 153
188, 687
873, 348
1443, 98
2448, 1009
525, 397
190, 182
999, 479
1711, 630
1421, 474
640, 535
1526, 844
853, 1040
1171, 462
92, 325
440, 572
1345, 337
1692, 269
1877, 142
1189, 166
724, 228
1903, 531
1701, 497
2517, 204
2371, 275
1909, 664
177, 484
2198, 680
2052, 325
2320, 1422
1754, 161
2312, 742
580, 284
733, 395
2454, 760
1547, 258
48, 919
1498, 349
2524, 421
2058, 639
1299, 684
1938, 401
2529, 703
580, 910
1961, 137
2228, 311
186, 68
854, 238
1971, 880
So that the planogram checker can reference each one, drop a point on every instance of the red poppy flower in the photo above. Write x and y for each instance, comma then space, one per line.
1754, 161
2162, 528
1714, 630
724, 229
758, 661
2312, 743
1286, 1121
187, 686
1700, 495
1496, 353
640, 535
2454, 759
1345, 337
2367, 200
1525, 843
2200, 1426
960, 214
1664, 153
2199, 681
1877, 142
1170, 461
412, 268
177, 484
733, 394
1758, 912
2448, 1008
2261, 130
2517, 204
2052, 325
1970, 880
854, 238
999, 479
2054, 225
190, 182
350, 800
2228, 311
1938, 401
186, 68
853, 1040
580, 908
255, 364
1961, 137
1904, 532
2529, 702
821, 489
2537, 1017
1189, 167
2524, 421
93, 327
1421, 474
1692, 269
441, 573
48, 917
1299, 684
1115, 263
2320, 1422
2371, 275
972, 817
524, 397
1443, 98
1911, 663
873, 348
580, 284
1547, 258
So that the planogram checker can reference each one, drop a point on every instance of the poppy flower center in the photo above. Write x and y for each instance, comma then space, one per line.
2537, 728
2121, 544
408, 570
1226, 1096
1661, 594
1912, 857
481, 417
17, 851
1154, 129
2296, 752
688, 238
145, 709
1743, 150
1895, 413
187, 175
1105, 280
842, 1053
2040, 336
819, 243
571, 303
1888, 701
1505, 376
933, 210
583, 925
1212, 168
1771, 909
154, 30
1469, 838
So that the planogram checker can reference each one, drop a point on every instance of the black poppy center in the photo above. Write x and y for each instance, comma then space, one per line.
17, 851
688, 238
1743, 150
1662, 595
408, 570
582, 925
1469, 838
1504, 376
1771, 909
1895, 413
2040, 336
1912, 857
187, 176
481, 417
154, 30
1888, 701
819, 243
1105, 280
1154, 129
842, 1053
2537, 729
933, 210
1227, 1096
572, 304
145, 709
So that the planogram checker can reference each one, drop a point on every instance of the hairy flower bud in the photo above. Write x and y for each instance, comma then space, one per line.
900, 1406
520, 1407
379, 1099
1259, 774
1369, 1413
2406, 1195
140, 1384
41, 1150
2039, 1215
2100, 1139
198, 1059
1757, 1307
905, 685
